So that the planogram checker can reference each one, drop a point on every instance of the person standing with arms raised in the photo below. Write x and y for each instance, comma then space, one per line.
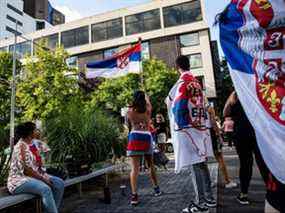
140, 142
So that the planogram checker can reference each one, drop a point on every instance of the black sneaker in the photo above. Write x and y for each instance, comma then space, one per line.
243, 200
134, 199
210, 203
194, 208
157, 191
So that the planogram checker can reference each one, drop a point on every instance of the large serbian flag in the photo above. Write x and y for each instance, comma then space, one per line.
120, 64
252, 34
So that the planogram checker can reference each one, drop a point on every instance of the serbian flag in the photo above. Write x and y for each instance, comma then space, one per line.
252, 34
120, 64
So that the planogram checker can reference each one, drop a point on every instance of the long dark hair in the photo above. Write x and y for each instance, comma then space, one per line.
139, 102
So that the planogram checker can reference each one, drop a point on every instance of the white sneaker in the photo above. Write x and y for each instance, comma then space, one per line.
231, 185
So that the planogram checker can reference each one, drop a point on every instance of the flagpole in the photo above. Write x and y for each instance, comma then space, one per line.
141, 73
13, 93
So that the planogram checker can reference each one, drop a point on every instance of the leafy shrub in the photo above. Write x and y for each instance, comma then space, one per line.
84, 135
4, 157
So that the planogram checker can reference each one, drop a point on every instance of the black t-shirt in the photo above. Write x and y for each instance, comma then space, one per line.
161, 128
242, 126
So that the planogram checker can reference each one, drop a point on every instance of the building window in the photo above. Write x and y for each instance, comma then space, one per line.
50, 41
11, 30
191, 39
143, 22
40, 25
14, 20
72, 62
107, 30
110, 52
15, 9
184, 13
22, 49
3, 49
145, 50
196, 60
75, 37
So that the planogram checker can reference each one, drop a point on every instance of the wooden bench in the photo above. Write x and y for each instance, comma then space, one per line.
7, 200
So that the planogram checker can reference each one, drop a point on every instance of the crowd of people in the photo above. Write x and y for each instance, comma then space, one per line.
196, 135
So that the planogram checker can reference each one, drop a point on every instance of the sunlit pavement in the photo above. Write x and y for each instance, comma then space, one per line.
177, 190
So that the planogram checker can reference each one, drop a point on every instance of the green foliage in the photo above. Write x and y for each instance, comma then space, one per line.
83, 134
159, 79
44, 88
117, 93
6, 70
4, 157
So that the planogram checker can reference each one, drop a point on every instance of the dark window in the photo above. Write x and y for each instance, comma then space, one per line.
50, 41
143, 22
14, 20
22, 49
191, 39
107, 30
15, 9
196, 60
75, 37
182, 13
40, 25
11, 30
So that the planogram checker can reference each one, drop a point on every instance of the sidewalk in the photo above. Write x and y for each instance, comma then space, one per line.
227, 197
177, 190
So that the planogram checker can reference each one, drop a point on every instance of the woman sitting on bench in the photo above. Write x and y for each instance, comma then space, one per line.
27, 174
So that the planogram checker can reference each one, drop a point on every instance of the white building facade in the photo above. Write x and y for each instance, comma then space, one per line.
167, 28
12, 11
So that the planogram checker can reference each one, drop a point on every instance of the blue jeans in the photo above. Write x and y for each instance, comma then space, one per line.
51, 196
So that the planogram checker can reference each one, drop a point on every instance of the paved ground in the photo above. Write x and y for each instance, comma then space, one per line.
177, 191
227, 197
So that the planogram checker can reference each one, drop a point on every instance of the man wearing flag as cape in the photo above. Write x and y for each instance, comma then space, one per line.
191, 139
252, 34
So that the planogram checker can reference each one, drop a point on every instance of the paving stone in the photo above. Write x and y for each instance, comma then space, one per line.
177, 191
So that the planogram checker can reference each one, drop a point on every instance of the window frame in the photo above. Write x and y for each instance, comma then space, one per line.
11, 7
76, 32
189, 34
11, 30
197, 67
182, 13
107, 28
141, 21
14, 20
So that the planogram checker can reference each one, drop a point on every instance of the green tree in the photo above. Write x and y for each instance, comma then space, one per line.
6, 66
44, 88
158, 79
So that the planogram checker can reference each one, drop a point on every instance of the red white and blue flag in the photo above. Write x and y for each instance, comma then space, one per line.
120, 64
252, 34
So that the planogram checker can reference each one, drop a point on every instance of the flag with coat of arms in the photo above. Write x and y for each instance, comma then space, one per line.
120, 64
252, 35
